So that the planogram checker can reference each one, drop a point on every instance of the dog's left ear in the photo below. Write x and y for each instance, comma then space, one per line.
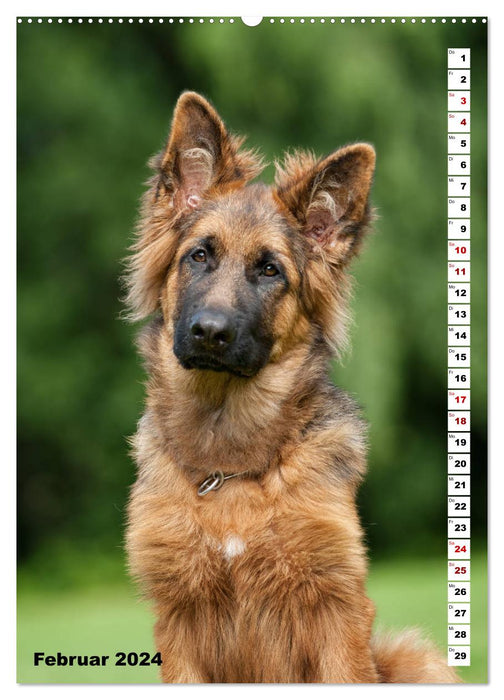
329, 198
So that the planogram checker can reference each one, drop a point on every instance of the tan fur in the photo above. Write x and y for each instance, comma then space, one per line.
264, 579
409, 658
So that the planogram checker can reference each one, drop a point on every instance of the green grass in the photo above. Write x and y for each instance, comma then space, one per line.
98, 621
105, 619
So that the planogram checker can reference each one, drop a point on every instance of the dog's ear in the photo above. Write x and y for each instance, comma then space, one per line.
201, 159
329, 198
201, 156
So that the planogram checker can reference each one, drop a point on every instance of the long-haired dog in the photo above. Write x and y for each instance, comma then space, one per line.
243, 527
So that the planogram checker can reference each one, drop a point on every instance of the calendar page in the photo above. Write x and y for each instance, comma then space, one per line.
252, 424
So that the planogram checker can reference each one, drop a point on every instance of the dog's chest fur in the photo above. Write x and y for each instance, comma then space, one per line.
232, 547
246, 539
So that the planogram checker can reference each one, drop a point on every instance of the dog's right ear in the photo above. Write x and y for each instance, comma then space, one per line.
201, 160
201, 157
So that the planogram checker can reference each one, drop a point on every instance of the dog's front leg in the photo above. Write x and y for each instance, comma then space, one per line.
182, 571
304, 615
172, 634
341, 633
290, 641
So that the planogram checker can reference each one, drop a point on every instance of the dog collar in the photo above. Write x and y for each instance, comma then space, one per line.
215, 481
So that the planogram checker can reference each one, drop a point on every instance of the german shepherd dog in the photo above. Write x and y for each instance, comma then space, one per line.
243, 527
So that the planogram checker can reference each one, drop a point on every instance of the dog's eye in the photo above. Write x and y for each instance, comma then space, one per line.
269, 270
200, 256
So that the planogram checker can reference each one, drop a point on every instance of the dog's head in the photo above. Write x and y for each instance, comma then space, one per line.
242, 272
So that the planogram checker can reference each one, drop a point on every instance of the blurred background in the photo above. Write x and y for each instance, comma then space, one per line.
94, 102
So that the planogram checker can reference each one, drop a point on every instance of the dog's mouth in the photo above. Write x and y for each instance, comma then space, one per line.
208, 362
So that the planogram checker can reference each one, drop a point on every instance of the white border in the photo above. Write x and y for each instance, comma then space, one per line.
496, 367
275, 8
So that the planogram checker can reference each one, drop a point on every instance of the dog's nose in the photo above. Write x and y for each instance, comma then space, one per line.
212, 329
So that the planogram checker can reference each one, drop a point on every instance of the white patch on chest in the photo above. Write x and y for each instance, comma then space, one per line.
232, 547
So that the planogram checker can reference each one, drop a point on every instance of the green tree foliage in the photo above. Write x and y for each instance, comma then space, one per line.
94, 102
